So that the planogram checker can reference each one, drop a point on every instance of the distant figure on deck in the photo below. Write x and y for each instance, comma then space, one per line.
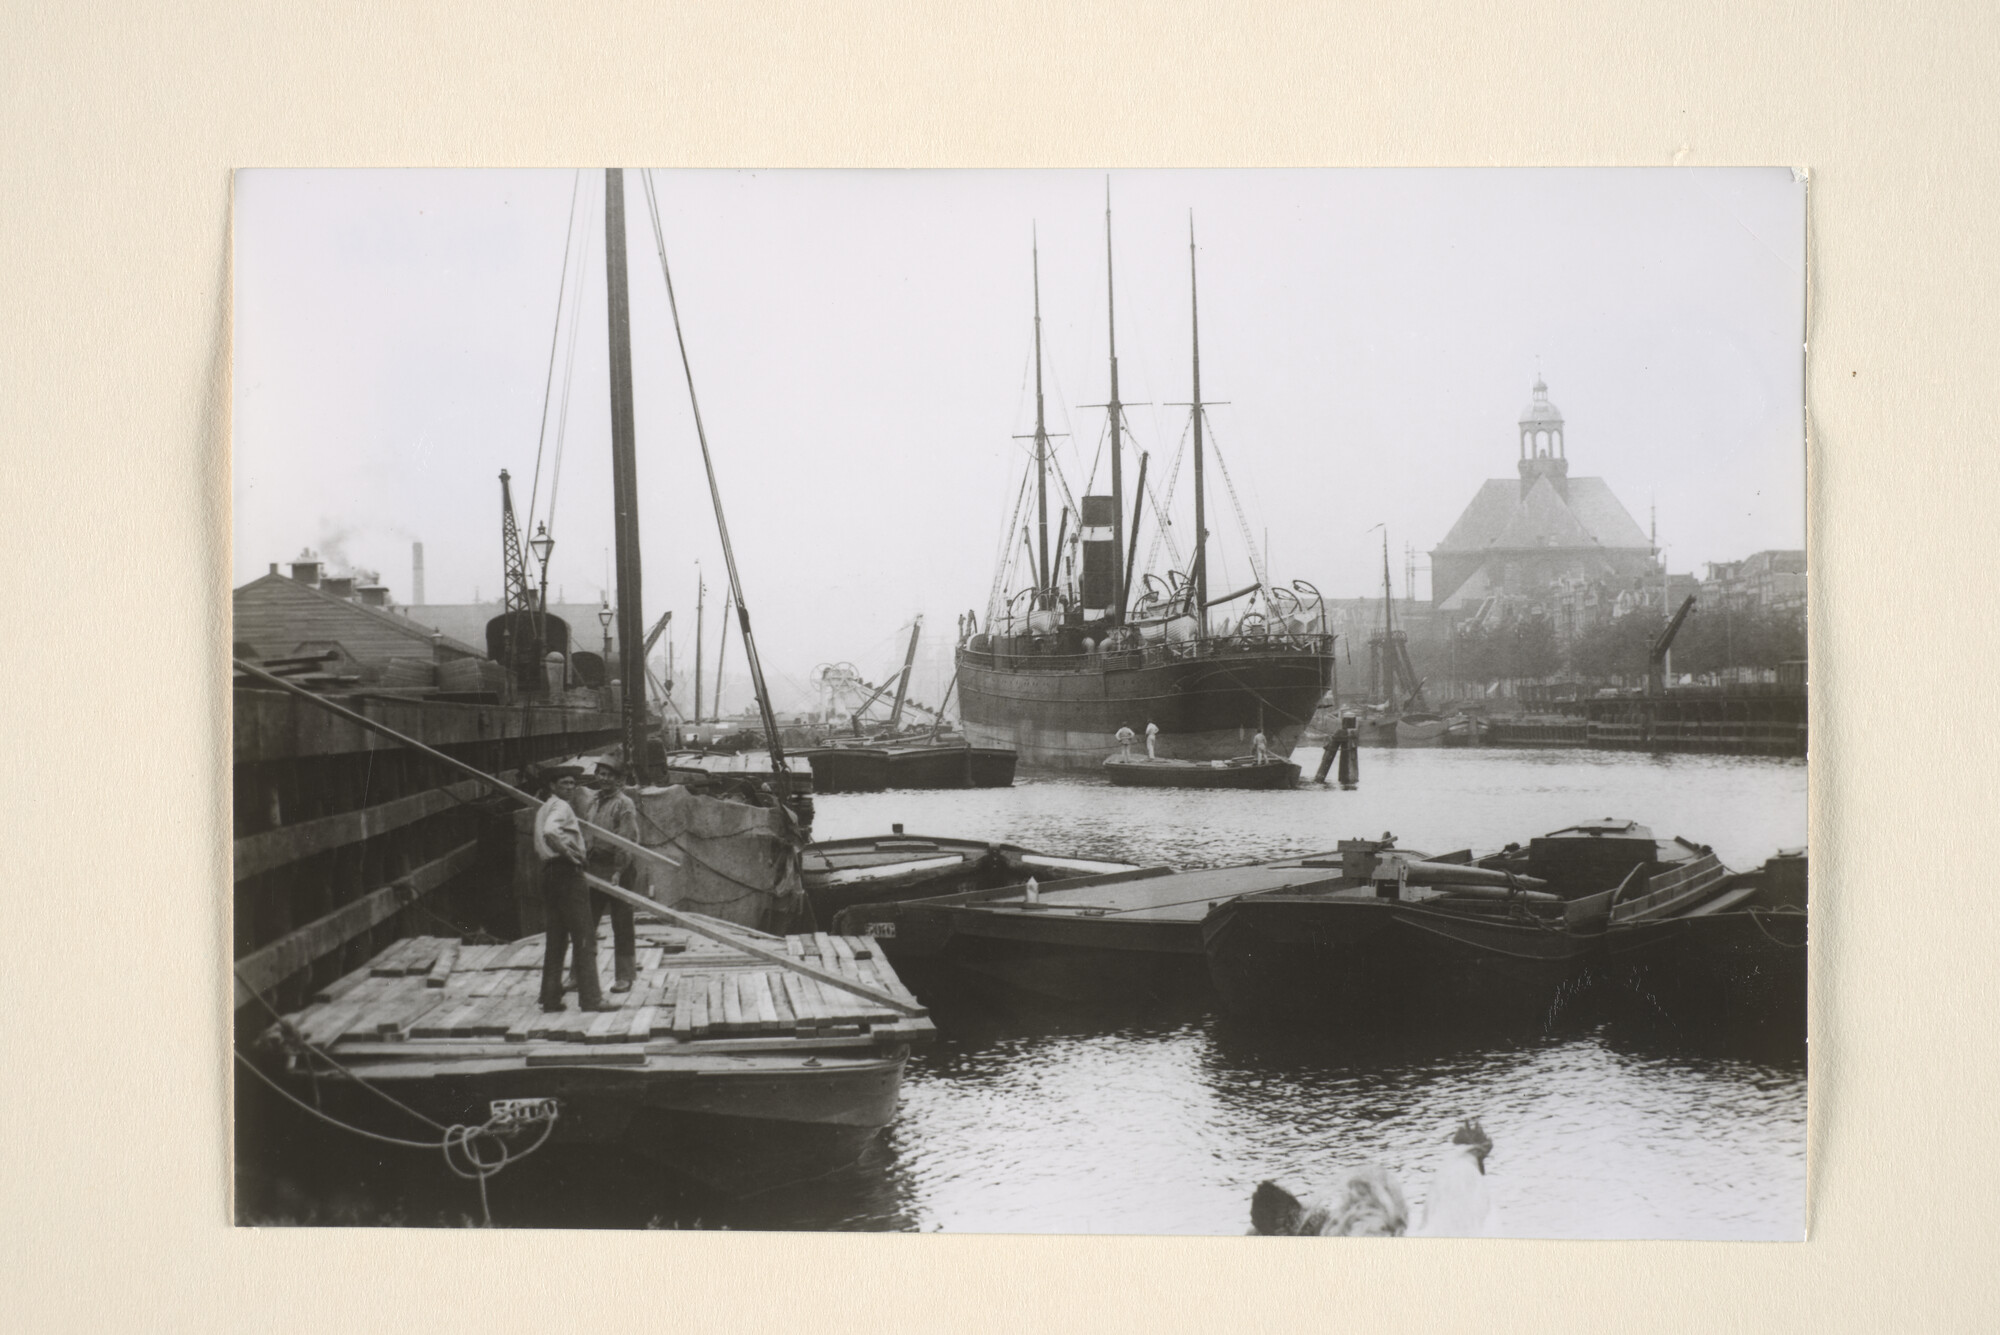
560, 848
614, 810
1125, 739
1152, 731
1263, 747
1369, 1203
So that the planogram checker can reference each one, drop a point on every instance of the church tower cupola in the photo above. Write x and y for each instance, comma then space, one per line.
1543, 454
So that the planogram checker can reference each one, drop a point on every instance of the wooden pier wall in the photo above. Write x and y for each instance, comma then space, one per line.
340, 832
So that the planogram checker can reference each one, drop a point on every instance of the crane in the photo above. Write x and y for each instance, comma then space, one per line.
1656, 665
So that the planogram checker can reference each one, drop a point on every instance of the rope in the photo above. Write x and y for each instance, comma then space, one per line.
292, 1032
555, 338
569, 377
1757, 917
458, 1138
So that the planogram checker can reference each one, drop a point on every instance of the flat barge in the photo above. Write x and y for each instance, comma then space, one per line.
727, 1068
1092, 939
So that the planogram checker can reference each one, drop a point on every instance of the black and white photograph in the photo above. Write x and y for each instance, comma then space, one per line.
1147, 702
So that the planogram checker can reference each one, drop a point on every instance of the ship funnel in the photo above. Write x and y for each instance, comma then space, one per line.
1100, 557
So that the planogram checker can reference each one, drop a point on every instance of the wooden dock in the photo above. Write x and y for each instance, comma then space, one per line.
340, 833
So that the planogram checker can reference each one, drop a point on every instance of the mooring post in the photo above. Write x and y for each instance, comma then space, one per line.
1350, 751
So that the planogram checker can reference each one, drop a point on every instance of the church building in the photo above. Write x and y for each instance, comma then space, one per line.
1542, 536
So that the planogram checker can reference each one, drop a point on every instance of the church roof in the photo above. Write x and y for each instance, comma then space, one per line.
1501, 517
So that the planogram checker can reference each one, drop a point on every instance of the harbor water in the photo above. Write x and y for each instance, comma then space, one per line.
1163, 1120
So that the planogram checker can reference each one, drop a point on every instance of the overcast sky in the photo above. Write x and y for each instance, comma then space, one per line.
862, 346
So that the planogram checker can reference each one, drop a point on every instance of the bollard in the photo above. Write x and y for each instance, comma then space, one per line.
1350, 751
1326, 757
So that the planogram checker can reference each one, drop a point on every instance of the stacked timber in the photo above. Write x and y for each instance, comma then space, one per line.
438, 995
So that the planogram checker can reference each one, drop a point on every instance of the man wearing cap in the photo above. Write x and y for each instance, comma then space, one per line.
559, 847
613, 809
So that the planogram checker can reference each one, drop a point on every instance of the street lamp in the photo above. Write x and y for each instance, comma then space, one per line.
541, 545
604, 615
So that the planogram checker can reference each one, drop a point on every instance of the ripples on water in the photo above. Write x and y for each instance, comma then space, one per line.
1164, 1123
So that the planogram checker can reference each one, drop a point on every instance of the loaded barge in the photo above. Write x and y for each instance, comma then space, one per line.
721, 1065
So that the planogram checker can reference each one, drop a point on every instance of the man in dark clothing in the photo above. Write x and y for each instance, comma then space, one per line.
559, 846
614, 810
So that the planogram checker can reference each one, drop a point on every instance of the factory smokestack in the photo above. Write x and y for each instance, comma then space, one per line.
416, 574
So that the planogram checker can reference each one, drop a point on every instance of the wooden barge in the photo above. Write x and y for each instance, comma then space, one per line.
1399, 936
1117, 937
841, 768
725, 1067
839, 873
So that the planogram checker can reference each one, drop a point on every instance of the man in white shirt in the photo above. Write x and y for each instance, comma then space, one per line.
1152, 731
566, 916
1125, 740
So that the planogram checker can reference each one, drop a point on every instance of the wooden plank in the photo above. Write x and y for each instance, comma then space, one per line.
684, 998
795, 947
473, 959
480, 1019
795, 998
442, 1022
732, 1005
642, 1023
421, 1001
843, 953
698, 1010
781, 1001
344, 984
717, 1017
389, 963
862, 947
746, 996
447, 960
527, 955
521, 1018
606, 1027
271, 849
767, 1005
321, 1025
816, 1007
823, 947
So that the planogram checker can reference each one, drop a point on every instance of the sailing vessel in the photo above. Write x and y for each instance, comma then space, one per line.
1402, 720
1071, 656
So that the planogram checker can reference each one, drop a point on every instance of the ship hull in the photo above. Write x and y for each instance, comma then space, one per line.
1064, 711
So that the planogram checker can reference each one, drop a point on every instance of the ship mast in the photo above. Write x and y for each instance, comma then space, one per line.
624, 481
1200, 513
1117, 427
1043, 598
1389, 664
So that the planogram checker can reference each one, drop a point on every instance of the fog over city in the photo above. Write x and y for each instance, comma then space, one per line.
862, 344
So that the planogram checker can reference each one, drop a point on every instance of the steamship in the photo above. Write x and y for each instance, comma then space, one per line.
1075, 649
